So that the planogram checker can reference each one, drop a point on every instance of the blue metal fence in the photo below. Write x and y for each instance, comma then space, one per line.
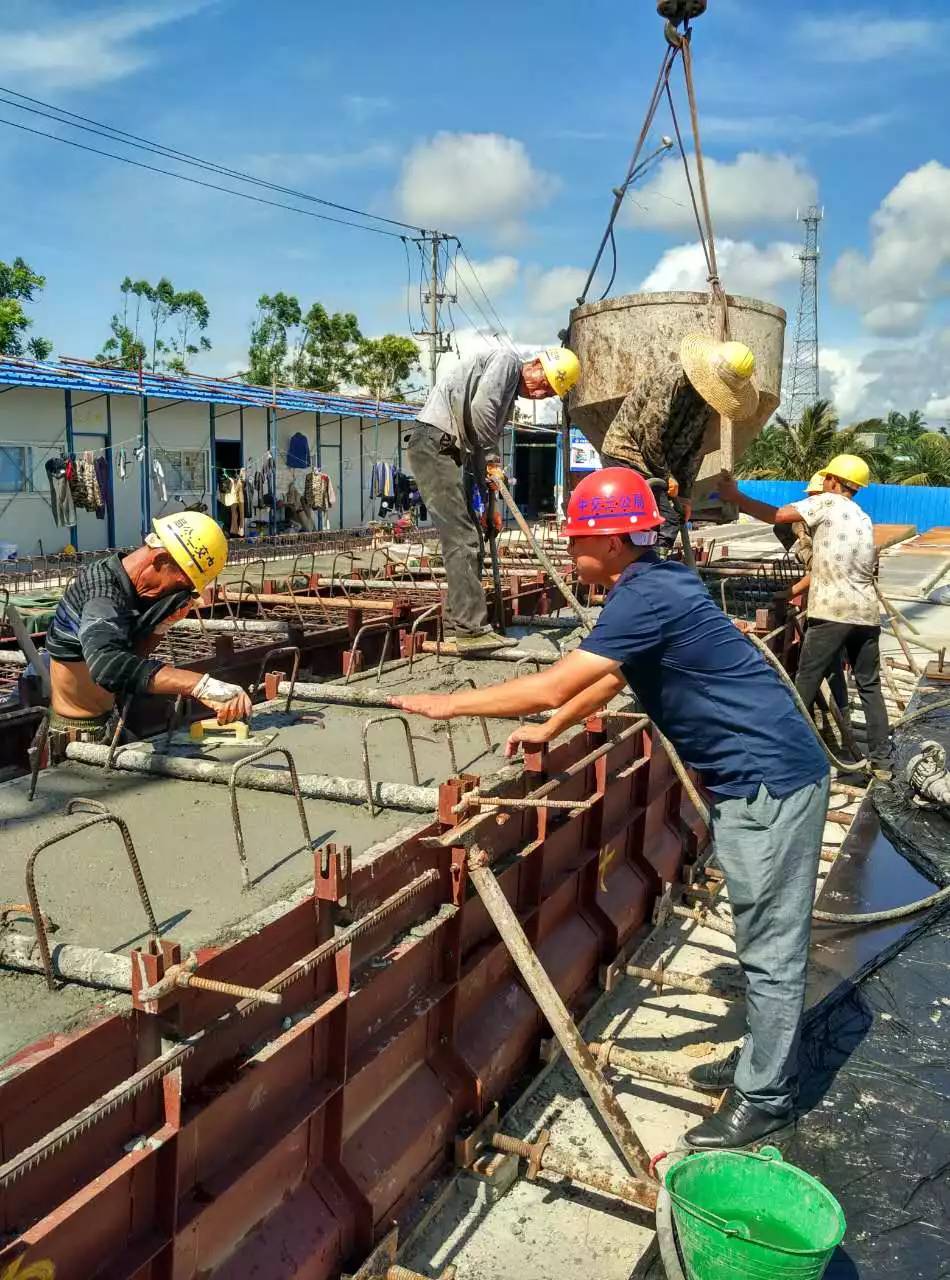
884, 503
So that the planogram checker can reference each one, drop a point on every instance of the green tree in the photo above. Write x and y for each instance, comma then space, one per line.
327, 355
902, 430
161, 303
19, 283
925, 461
277, 319
122, 348
384, 364
787, 452
192, 313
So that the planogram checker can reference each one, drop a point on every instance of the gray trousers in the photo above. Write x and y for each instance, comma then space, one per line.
768, 850
437, 466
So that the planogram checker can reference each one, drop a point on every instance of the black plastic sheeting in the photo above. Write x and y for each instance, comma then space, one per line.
921, 835
875, 1090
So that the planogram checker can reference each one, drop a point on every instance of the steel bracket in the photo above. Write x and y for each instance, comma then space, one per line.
333, 871
468, 1146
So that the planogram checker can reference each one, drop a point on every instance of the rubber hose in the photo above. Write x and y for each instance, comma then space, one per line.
924, 711
881, 917
846, 766
664, 1236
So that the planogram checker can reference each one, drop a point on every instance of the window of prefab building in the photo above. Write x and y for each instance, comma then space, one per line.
186, 470
16, 468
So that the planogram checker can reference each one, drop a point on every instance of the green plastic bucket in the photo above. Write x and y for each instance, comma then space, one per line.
747, 1216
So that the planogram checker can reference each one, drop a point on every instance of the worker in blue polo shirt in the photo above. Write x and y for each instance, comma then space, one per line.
732, 721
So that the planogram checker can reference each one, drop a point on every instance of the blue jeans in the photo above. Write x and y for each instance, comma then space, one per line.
768, 850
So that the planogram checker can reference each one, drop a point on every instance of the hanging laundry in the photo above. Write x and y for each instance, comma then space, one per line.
83, 484
382, 484
60, 495
122, 462
104, 481
158, 479
298, 451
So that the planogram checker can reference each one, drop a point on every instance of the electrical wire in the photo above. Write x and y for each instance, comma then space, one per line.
157, 148
484, 292
198, 182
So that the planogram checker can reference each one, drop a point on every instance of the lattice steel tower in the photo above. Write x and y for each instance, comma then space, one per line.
803, 375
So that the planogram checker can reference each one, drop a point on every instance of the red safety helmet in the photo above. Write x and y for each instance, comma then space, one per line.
613, 501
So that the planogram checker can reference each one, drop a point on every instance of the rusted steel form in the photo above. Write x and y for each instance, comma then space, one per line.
192, 1137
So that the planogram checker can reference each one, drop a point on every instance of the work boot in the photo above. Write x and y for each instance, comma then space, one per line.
482, 642
716, 1075
737, 1123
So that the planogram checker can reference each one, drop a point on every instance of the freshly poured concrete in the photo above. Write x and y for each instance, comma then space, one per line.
184, 838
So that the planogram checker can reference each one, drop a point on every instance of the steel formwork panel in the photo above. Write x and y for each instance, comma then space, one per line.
318, 1104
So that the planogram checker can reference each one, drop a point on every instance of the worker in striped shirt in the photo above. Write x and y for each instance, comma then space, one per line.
112, 616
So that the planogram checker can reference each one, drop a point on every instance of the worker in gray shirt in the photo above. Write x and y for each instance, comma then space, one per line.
458, 431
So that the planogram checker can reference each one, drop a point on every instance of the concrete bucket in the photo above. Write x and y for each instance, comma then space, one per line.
622, 340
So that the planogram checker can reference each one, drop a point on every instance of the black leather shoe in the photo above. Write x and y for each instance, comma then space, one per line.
737, 1123
717, 1075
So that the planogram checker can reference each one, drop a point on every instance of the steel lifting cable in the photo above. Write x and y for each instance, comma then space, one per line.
666, 66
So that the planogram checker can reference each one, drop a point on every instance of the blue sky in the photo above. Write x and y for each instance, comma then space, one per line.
508, 126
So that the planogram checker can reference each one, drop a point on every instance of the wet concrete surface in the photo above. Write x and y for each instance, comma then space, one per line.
184, 837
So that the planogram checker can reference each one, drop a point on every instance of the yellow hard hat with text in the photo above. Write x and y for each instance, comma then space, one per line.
561, 368
196, 543
849, 468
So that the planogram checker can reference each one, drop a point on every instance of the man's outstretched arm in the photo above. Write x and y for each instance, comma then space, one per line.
546, 691
589, 700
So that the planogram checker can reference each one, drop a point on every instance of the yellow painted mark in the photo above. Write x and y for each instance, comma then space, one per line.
607, 857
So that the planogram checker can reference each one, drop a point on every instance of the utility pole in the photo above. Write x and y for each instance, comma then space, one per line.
804, 370
439, 342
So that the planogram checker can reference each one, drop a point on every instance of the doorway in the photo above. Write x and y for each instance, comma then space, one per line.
535, 472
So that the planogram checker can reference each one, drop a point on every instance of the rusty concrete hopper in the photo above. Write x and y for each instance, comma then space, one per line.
622, 339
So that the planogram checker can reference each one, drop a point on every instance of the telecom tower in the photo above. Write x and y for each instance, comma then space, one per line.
803, 375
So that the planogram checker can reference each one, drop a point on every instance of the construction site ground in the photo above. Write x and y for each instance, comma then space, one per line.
184, 839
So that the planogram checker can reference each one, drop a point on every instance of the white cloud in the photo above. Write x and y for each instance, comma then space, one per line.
743, 267
467, 179
55, 51
906, 268
555, 290
861, 36
497, 276
757, 187
870, 382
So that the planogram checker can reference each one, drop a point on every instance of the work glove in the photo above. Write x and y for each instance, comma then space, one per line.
228, 700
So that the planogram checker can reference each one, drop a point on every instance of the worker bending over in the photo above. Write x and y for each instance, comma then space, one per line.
459, 430
843, 608
112, 615
660, 427
731, 719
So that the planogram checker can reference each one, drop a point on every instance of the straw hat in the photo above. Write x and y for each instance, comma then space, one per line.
722, 374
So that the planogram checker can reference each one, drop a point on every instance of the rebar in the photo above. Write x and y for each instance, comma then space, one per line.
468, 683
367, 778
235, 812
100, 816
661, 977
609, 1053
275, 653
543, 1158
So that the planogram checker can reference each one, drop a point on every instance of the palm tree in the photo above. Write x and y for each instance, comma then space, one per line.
924, 461
794, 452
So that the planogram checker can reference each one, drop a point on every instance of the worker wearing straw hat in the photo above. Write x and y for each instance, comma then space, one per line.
722, 374
660, 427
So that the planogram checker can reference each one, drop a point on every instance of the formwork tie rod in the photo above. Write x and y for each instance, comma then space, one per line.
608, 1053
543, 1158
661, 978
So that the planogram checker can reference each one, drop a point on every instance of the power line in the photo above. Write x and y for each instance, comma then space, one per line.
110, 132
484, 292
198, 182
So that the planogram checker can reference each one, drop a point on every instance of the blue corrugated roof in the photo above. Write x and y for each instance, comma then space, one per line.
76, 375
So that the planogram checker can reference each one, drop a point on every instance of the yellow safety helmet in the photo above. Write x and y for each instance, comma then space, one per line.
561, 368
196, 544
849, 468
816, 484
